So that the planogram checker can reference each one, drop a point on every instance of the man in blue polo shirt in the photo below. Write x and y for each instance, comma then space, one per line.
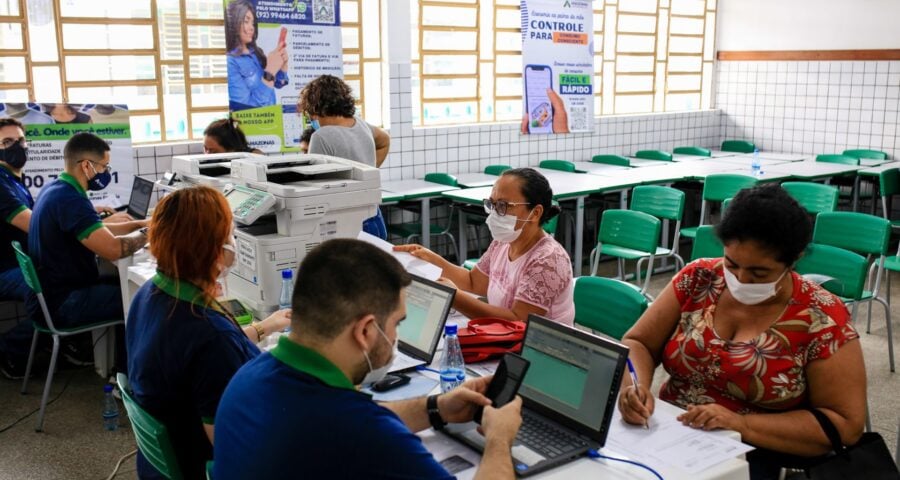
295, 413
66, 236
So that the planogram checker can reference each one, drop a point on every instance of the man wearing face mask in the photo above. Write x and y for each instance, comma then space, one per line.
524, 270
749, 344
296, 412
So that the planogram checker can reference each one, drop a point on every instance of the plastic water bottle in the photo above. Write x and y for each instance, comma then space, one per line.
755, 166
110, 409
453, 368
287, 288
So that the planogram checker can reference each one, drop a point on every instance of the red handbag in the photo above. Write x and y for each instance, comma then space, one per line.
490, 337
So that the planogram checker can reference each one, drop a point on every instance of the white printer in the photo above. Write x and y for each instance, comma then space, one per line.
210, 169
286, 205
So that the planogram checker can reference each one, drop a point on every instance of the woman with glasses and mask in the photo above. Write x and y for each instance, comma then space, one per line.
183, 346
524, 270
750, 345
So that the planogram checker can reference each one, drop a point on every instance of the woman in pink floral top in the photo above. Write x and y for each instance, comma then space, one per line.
748, 344
524, 270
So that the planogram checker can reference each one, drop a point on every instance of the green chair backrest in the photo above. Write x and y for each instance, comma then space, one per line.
848, 269
858, 232
842, 159
889, 182
607, 305
740, 146
630, 229
27, 267
550, 226
815, 198
699, 151
152, 436
496, 169
725, 204
442, 178
865, 153
563, 165
209, 470
661, 202
654, 155
719, 186
707, 243
612, 160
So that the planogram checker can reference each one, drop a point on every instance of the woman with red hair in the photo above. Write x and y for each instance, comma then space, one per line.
183, 346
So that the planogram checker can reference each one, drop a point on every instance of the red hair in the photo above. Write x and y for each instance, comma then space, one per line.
186, 235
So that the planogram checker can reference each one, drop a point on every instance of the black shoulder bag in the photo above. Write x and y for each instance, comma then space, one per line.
869, 459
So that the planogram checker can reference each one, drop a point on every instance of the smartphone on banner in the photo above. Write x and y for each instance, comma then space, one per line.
282, 39
538, 78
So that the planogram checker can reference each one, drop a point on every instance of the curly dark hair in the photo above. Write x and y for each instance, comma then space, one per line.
228, 134
327, 96
768, 215
536, 190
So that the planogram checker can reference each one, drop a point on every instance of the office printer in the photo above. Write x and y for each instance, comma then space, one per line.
210, 169
285, 206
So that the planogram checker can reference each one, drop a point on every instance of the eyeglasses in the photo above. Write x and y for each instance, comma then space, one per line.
500, 206
8, 142
106, 168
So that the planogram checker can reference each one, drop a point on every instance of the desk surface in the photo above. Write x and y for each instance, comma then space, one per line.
476, 179
412, 189
875, 171
643, 162
813, 170
593, 167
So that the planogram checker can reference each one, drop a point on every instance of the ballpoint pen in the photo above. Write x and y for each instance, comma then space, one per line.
634, 381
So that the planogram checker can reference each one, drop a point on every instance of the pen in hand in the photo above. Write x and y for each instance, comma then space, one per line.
634, 381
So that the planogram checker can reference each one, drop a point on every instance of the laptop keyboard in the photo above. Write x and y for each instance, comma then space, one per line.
546, 438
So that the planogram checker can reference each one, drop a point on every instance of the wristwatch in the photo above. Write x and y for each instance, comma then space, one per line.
434, 414
268, 77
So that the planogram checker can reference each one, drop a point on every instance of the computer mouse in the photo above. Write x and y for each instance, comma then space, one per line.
390, 382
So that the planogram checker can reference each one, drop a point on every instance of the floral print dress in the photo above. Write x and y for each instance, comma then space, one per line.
763, 374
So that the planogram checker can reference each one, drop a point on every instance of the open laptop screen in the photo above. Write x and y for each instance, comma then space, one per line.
574, 376
139, 203
427, 306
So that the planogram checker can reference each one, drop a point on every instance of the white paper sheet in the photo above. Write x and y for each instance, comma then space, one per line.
410, 263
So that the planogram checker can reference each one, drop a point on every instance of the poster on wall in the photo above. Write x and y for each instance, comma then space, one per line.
274, 48
48, 126
558, 66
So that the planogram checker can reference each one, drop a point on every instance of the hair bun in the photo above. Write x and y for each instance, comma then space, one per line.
553, 211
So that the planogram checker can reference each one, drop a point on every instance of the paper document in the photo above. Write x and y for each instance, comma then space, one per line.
410, 263
668, 443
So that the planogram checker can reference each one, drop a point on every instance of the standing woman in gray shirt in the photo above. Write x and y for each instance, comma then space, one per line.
329, 104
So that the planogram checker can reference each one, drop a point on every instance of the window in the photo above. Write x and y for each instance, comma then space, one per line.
164, 58
649, 56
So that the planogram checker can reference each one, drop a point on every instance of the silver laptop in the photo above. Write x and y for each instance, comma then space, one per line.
569, 396
427, 305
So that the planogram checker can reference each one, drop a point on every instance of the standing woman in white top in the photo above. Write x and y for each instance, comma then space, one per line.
524, 270
329, 104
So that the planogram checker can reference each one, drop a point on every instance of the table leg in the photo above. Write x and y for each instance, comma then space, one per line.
463, 241
855, 194
579, 233
425, 218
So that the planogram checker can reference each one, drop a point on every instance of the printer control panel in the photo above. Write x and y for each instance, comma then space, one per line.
248, 204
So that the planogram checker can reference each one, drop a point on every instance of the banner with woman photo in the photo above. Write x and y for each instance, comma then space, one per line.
558, 66
274, 48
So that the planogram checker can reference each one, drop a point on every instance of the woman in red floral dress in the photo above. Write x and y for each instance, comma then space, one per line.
749, 345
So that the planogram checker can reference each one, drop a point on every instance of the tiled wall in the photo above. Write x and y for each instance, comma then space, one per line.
811, 107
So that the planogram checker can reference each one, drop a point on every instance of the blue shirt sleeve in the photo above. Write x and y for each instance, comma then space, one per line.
281, 79
10, 203
215, 361
78, 217
238, 90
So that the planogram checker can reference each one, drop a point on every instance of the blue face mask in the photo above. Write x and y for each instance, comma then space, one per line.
100, 180
314, 124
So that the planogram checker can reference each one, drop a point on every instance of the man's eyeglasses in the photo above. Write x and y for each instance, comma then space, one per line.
106, 168
500, 206
8, 142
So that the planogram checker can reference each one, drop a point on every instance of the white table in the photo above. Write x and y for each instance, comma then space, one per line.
599, 168
417, 190
476, 179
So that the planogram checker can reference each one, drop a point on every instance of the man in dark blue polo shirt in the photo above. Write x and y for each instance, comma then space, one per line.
66, 236
295, 412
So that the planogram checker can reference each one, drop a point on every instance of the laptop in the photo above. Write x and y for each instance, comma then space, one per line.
569, 396
139, 203
428, 304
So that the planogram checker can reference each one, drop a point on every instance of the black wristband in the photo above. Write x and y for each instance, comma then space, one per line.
268, 77
434, 415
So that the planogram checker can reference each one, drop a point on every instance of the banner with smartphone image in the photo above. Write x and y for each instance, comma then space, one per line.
558, 66
273, 49
48, 126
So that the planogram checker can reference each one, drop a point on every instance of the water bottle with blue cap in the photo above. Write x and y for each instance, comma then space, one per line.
755, 164
453, 367
287, 290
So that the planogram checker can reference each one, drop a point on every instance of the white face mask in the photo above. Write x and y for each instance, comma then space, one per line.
751, 293
503, 229
376, 374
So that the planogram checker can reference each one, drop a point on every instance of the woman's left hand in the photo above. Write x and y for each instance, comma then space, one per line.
277, 321
712, 416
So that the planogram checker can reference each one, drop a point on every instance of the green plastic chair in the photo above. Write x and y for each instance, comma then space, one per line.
496, 169
654, 155
815, 198
561, 165
151, 435
549, 227
835, 158
664, 203
698, 151
627, 235
740, 146
707, 244
31, 278
209, 470
411, 230
865, 153
611, 160
888, 186
866, 235
717, 188
838, 270
607, 305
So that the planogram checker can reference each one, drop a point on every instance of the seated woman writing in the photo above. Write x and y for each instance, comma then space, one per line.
749, 344
524, 270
